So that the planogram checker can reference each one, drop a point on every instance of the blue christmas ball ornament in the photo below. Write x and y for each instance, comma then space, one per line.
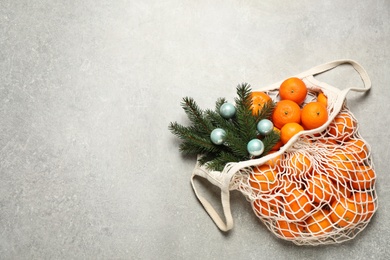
265, 126
255, 147
227, 110
217, 136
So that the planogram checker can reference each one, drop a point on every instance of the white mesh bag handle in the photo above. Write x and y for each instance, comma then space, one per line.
223, 179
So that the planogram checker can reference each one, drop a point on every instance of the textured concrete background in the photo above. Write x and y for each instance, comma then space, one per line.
88, 169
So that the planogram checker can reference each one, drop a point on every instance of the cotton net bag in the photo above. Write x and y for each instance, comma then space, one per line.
319, 188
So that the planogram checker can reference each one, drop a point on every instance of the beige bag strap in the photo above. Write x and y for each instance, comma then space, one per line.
225, 200
222, 179
333, 64
326, 67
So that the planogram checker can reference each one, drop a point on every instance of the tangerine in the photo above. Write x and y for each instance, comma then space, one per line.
259, 99
286, 111
344, 212
327, 141
319, 188
267, 207
289, 130
341, 191
279, 143
314, 115
298, 164
287, 185
363, 177
293, 89
297, 205
288, 229
340, 166
365, 204
342, 127
357, 147
275, 161
263, 179
322, 99
319, 223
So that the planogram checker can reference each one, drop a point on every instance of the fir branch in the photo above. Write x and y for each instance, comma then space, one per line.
195, 114
205, 158
245, 121
239, 130
218, 121
192, 142
244, 96
270, 141
236, 145
219, 103
266, 111
219, 162
195, 147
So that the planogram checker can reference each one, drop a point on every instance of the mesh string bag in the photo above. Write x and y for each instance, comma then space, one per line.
319, 188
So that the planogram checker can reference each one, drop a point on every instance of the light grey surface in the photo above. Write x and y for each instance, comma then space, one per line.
88, 169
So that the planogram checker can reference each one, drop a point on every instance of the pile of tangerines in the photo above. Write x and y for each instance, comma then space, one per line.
312, 192
291, 115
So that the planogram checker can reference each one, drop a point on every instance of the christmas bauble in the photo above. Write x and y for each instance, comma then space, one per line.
227, 110
265, 126
217, 136
255, 147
